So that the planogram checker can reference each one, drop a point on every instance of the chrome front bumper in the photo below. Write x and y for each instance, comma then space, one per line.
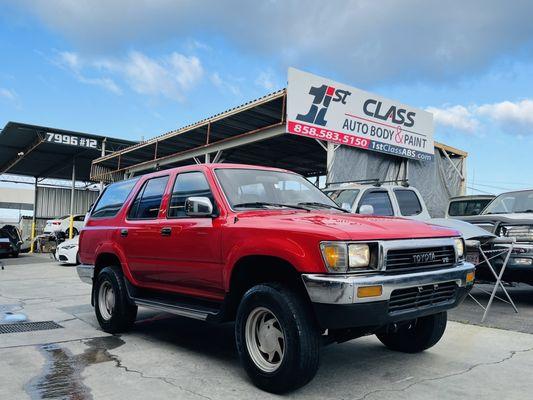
86, 272
342, 289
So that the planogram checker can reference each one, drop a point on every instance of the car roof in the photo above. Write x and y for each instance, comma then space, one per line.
473, 197
343, 186
203, 167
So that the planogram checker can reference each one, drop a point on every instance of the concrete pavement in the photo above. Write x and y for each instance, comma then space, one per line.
167, 357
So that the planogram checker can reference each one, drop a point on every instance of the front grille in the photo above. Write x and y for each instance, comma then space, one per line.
62, 257
419, 258
420, 297
522, 233
28, 326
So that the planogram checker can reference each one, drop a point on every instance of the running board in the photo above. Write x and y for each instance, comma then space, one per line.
200, 313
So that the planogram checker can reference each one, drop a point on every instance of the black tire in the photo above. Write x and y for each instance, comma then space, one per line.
418, 336
301, 337
15, 254
74, 232
123, 314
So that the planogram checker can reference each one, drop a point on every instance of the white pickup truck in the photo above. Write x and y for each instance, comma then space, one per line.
379, 199
393, 200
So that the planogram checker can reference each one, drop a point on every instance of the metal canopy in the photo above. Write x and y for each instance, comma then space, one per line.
253, 133
43, 152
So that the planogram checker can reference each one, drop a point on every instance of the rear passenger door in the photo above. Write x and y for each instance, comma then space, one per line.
140, 235
191, 247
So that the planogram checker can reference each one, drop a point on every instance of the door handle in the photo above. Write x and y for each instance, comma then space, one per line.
123, 232
166, 231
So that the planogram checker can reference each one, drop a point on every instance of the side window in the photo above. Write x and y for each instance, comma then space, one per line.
380, 200
113, 199
408, 202
79, 218
188, 184
148, 201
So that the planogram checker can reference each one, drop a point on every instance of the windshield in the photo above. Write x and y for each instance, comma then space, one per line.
467, 207
513, 202
343, 196
248, 188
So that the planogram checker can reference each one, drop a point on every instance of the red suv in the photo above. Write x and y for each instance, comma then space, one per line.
267, 249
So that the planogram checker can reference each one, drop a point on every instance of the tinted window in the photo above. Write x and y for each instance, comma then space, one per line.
113, 198
344, 196
188, 184
148, 201
408, 202
79, 218
379, 200
467, 207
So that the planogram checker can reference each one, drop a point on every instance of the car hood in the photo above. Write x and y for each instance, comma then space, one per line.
342, 226
469, 231
74, 240
513, 216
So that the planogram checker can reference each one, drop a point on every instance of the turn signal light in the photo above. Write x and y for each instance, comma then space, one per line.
470, 277
369, 291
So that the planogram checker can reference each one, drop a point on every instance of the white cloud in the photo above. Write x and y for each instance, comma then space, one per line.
266, 80
8, 94
361, 41
455, 117
224, 84
169, 76
517, 115
510, 117
73, 63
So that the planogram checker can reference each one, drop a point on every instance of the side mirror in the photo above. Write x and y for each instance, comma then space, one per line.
198, 207
346, 206
366, 209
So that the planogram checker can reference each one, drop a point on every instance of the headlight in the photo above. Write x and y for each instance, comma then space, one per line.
459, 247
341, 257
358, 255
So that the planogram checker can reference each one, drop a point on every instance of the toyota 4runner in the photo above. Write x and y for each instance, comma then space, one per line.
265, 248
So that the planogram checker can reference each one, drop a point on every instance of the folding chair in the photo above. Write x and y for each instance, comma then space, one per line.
499, 247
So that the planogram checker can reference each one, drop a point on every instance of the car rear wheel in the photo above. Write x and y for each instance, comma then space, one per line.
277, 338
15, 254
113, 310
417, 335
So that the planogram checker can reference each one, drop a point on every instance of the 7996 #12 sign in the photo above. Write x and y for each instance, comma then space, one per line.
71, 140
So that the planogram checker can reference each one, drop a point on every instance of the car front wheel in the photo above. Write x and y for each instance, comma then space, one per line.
113, 310
277, 338
415, 336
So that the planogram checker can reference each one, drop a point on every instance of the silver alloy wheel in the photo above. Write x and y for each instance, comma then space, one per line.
106, 300
265, 339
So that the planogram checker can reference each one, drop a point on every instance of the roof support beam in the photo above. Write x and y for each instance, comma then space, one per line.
229, 143
10, 164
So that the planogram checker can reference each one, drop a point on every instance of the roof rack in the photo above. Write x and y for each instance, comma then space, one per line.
375, 181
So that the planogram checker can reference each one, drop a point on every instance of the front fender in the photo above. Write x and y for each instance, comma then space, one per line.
301, 257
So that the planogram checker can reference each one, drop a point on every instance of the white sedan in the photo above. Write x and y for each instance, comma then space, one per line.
67, 252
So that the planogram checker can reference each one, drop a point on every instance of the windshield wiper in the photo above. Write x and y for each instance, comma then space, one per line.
323, 205
524, 211
267, 204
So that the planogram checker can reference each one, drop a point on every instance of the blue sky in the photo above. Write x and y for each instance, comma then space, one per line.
135, 69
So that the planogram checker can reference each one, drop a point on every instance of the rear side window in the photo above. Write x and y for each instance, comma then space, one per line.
408, 202
112, 199
380, 200
187, 184
148, 201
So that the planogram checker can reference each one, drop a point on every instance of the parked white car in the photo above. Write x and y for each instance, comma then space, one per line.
67, 252
62, 224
